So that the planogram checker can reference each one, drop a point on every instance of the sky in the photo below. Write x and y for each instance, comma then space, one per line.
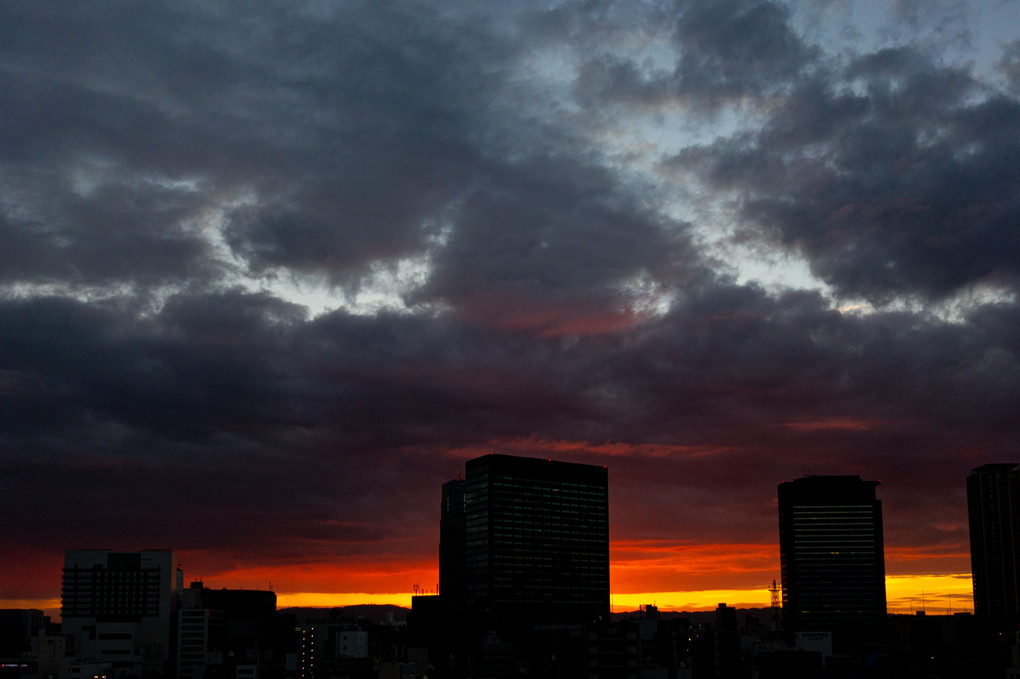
271, 272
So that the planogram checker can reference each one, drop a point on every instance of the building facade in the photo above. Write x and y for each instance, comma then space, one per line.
221, 630
993, 508
536, 538
832, 555
121, 609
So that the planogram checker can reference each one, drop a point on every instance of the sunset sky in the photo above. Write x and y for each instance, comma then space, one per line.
271, 272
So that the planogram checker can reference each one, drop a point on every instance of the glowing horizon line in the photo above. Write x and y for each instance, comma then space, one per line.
951, 591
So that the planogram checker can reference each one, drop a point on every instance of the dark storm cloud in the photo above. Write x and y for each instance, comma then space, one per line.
609, 79
727, 53
733, 359
552, 234
743, 378
1009, 64
737, 49
897, 178
122, 233
773, 389
163, 167
102, 369
352, 131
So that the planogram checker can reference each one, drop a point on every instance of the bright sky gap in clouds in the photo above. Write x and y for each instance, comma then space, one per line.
267, 278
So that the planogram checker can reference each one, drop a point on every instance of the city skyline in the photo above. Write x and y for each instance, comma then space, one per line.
268, 278
700, 600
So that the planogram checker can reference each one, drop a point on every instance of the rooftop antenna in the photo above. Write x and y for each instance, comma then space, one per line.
774, 597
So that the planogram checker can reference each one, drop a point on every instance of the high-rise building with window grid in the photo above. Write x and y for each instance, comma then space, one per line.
832, 555
993, 507
536, 538
121, 608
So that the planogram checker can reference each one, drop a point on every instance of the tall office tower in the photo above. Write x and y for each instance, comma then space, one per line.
536, 538
121, 608
451, 544
832, 558
993, 506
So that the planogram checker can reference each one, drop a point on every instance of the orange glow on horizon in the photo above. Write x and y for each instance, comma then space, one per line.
338, 599
936, 594
698, 600
46, 605
674, 566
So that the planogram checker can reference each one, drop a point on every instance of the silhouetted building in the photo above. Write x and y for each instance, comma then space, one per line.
523, 565
536, 538
832, 556
312, 642
17, 628
222, 631
452, 525
121, 609
727, 660
200, 642
993, 504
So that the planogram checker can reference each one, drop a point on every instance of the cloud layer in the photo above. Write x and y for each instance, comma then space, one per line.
268, 278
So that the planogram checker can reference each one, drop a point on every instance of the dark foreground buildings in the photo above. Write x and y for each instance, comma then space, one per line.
536, 539
120, 609
524, 565
832, 557
126, 615
452, 537
993, 507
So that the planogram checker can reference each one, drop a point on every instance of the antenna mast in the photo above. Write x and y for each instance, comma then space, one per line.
774, 590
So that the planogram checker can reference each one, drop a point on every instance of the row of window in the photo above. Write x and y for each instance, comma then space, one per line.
570, 557
529, 490
509, 528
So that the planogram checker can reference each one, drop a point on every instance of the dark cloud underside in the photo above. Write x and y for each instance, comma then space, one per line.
288, 265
